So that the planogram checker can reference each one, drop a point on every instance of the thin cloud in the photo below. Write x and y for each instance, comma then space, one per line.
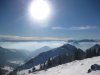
83, 28
20, 38
57, 28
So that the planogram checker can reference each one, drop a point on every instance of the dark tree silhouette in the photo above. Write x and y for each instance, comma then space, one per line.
49, 63
33, 69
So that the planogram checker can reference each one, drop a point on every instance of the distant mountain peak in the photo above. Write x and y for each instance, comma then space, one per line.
69, 46
44, 48
47, 47
38, 51
95, 46
1, 47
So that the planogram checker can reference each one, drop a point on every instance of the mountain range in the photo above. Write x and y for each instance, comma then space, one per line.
7, 56
69, 50
83, 40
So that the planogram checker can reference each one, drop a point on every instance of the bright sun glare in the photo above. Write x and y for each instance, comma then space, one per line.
39, 9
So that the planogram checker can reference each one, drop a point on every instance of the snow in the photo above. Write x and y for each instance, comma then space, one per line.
73, 68
9, 69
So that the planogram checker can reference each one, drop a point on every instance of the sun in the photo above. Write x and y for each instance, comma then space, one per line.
39, 9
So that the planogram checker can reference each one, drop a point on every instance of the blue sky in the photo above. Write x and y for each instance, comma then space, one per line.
76, 19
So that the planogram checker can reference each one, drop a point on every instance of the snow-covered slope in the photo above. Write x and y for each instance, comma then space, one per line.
74, 68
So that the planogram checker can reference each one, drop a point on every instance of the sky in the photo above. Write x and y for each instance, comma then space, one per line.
70, 19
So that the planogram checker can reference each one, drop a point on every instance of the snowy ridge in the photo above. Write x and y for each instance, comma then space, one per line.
72, 52
43, 57
73, 68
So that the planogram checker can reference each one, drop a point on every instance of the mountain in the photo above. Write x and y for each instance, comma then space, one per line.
42, 57
8, 56
59, 56
66, 49
38, 51
79, 67
93, 51
84, 40
96, 46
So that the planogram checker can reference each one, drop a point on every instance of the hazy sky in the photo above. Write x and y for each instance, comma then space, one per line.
77, 19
